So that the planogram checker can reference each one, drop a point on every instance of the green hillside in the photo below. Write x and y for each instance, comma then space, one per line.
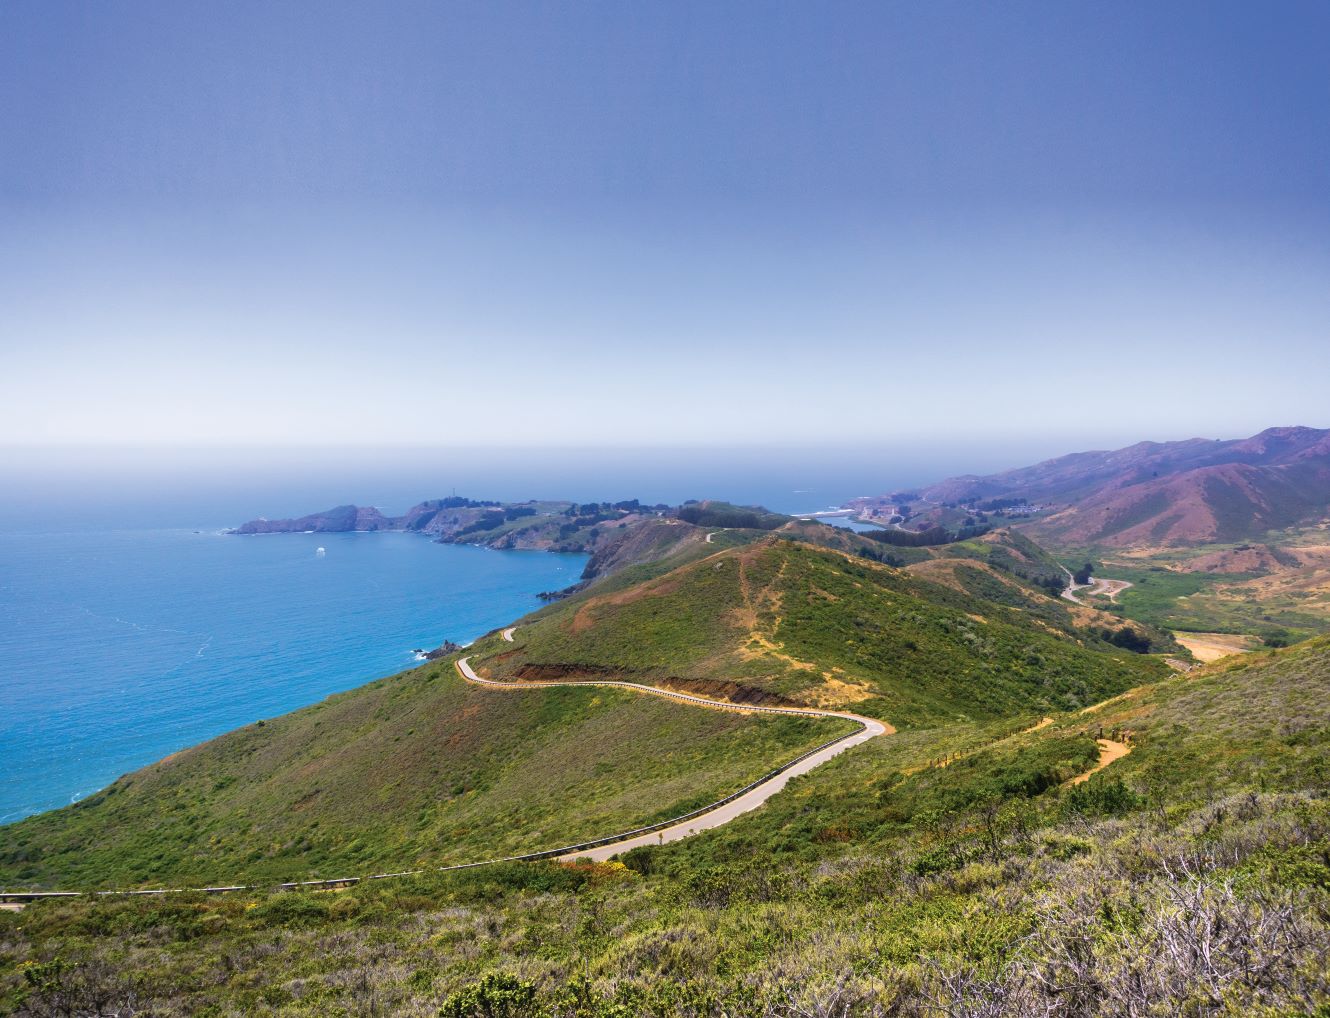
786, 620
1190, 877
418, 769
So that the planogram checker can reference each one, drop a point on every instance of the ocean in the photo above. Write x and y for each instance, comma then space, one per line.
121, 646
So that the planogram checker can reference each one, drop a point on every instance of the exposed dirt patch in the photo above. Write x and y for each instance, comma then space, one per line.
712, 689
731, 692
835, 692
1253, 558
1085, 616
1207, 647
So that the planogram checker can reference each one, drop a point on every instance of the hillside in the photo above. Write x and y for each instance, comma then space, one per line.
1155, 494
417, 769
784, 622
956, 870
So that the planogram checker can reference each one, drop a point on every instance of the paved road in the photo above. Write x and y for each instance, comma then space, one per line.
754, 797
1105, 588
870, 728
1072, 587
1108, 588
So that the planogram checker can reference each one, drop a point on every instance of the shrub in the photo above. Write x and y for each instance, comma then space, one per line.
498, 995
1102, 797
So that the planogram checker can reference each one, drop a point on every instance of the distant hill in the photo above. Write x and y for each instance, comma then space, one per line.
1157, 494
614, 534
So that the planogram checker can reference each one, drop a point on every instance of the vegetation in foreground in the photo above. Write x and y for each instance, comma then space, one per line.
1191, 877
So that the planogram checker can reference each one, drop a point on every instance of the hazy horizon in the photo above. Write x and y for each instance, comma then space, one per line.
151, 486
223, 486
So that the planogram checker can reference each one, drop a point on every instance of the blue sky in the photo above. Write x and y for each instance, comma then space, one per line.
663, 224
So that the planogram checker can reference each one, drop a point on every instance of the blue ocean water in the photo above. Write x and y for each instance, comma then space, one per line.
118, 647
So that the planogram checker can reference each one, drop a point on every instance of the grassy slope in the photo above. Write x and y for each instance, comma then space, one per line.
818, 626
419, 768
1261, 722
875, 881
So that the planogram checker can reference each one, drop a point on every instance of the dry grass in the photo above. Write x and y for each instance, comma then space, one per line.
1208, 647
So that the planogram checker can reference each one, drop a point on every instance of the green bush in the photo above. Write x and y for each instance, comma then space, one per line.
498, 995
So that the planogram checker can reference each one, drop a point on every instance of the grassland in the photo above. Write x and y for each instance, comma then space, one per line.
1192, 877
420, 769
417, 769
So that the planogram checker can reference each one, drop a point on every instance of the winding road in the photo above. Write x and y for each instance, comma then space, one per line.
725, 811
600, 849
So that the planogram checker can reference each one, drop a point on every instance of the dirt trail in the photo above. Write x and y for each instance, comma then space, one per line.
1108, 752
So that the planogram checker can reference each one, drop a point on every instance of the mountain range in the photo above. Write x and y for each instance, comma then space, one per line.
1157, 494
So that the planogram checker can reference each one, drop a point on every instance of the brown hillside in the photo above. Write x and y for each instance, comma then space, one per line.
1167, 494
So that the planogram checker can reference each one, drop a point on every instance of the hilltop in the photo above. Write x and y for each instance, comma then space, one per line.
770, 620
782, 621
1207, 536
